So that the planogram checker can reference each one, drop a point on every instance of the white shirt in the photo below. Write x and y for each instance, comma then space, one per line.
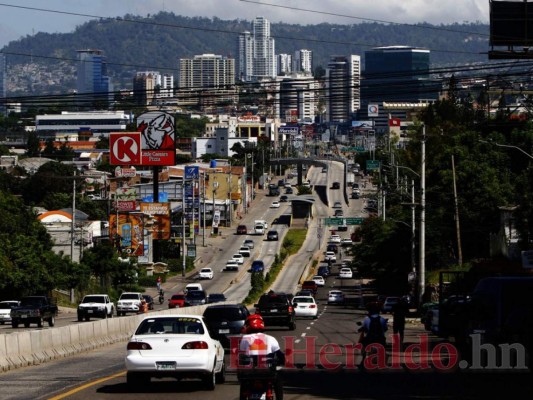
258, 344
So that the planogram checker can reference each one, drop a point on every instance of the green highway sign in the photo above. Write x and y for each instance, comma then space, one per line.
372, 165
343, 221
356, 148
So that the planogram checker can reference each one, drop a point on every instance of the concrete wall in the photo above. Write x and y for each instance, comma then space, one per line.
32, 347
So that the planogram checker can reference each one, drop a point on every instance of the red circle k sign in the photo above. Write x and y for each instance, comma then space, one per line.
125, 148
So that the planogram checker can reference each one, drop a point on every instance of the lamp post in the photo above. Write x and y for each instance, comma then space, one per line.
508, 146
215, 187
203, 210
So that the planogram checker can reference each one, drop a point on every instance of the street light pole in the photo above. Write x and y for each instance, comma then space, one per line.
422, 247
203, 210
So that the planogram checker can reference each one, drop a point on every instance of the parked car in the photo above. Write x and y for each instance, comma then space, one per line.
276, 309
161, 343
5, 310
345, 273
272, 235
177, 300
242, 230
257, 266
215, 298
305, 306
389, 303
95, 305
320, 281
225, 320
249, 243
336, 297
149, 301
206, 273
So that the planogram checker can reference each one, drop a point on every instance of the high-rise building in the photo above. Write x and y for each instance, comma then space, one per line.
343, 80
298, 97
144, 84
284, 64
257, 59
92, 80
3, 84
207, 71
167, 86
398, 73
303, 61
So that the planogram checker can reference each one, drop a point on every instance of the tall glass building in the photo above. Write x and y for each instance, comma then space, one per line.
92, 80
398, 73
343, 76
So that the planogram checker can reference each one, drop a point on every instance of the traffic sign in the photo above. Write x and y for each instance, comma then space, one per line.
343, 221
333, 221
353, 221
372, 165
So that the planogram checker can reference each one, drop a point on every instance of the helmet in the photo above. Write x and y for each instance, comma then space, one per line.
254, 323
373, 307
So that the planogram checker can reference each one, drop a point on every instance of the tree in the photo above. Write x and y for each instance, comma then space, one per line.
33, 148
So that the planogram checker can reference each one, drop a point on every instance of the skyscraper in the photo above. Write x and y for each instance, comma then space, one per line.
207, 71
284, 64
402, 70
257, 59
303, 61
144, 84
343, 79
92, 80
3, 84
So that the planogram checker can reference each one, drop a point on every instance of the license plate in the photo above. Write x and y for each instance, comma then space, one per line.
223, 331
90, 311
164, 365
274, 310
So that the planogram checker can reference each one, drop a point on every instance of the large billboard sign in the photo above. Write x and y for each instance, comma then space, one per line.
160, 215
126, 233
125, 148
158, 138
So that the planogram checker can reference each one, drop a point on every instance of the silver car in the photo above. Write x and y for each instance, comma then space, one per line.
5, 310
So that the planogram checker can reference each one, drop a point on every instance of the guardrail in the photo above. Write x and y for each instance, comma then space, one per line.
32, 347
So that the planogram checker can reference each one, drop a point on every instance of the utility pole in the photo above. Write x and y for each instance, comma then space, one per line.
457, 225
183, 246
203, 210
422, 247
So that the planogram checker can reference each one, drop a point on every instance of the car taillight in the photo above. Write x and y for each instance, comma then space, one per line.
139, 346
291, 309
312, 306
199, 345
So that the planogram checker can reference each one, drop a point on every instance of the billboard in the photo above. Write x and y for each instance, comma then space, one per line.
511, 23
126, 233
158, 138
160, 215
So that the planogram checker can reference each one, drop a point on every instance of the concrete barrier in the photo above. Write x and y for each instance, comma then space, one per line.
32, 347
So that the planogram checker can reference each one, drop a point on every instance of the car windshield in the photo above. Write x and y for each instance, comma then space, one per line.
93, 299
168, 325
302, 300
178, 297
6, 306
217, 297
196, 294
281, 300
129, 296
220, 313
205, 270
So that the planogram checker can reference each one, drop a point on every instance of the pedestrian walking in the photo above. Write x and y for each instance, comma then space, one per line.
399, 313
158, 283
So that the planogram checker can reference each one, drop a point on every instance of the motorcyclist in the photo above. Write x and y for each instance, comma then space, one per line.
161, 296
255, 342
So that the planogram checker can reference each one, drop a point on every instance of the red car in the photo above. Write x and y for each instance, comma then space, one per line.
242, 230
177, 301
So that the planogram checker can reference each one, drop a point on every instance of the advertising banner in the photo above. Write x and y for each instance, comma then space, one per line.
160, 215
158, 138
126, 233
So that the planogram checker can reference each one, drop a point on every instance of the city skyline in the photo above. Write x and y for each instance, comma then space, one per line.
27, 17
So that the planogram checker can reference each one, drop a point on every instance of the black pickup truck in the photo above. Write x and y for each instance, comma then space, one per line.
34, 310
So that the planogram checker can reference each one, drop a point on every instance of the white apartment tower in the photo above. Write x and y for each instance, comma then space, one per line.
303, 61
207, 71
257, 59
343, 94
284, 64
167, 86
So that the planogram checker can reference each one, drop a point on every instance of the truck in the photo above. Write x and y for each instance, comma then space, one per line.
34, 310
273, 190
95, 305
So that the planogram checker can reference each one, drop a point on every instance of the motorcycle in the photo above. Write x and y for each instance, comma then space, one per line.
258, 379
161, 297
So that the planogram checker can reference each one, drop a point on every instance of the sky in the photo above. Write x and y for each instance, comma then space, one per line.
19, 18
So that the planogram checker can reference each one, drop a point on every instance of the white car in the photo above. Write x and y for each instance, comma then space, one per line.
249, 243
346, 242
334, 239
345, 273
320, 281
95, 305
206, 273
305, 306
330, 256
177, 346
245, 251
232, 265
129, 302
239, 258
275, 204
5, 310
336, 297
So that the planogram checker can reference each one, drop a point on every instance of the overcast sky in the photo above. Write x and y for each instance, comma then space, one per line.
17, 21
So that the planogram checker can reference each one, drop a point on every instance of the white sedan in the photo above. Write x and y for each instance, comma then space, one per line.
206, 273
330, 256
345, 273
275, 204
305, 306
238, 258
320, 281
175, 346
334, 239
335, 297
